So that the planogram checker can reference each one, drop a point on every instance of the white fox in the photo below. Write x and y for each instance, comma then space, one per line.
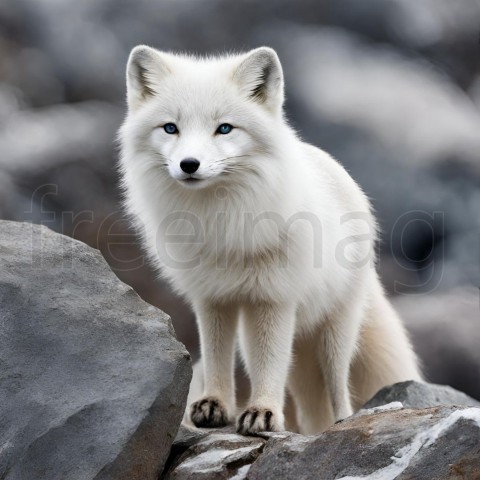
269, 239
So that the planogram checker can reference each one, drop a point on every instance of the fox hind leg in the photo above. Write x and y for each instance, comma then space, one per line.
308, 389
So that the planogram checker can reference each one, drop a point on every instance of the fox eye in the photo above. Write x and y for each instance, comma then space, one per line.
224, 128
170, 128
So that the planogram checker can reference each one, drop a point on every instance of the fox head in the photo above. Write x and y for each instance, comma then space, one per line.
201, 120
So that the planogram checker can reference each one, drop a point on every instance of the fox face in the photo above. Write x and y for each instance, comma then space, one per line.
203, 120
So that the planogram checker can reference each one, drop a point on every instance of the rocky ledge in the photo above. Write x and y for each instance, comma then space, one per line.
384, 442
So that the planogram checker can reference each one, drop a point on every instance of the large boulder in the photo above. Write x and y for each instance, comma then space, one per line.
93, 383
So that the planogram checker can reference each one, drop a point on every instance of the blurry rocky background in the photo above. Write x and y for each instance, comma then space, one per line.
392, 89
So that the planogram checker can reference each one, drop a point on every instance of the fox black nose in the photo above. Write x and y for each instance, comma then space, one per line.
189, 165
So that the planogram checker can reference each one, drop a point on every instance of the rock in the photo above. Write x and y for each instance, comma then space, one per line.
420, 395
446, 334
215, 454
93, 383
439, 442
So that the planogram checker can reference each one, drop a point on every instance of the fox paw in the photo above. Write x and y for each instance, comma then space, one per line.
254, 420
209, 412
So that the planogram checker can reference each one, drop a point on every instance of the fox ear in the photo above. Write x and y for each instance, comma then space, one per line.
145, 69
260, 76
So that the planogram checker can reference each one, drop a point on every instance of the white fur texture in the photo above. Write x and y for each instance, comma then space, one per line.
271, 241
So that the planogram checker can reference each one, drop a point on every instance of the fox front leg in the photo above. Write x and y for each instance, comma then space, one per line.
267, 338
217, 328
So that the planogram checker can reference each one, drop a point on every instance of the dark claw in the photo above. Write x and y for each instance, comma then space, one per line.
209, 413
256, 420
268, 418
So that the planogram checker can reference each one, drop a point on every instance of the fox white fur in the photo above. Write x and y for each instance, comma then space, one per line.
270, 240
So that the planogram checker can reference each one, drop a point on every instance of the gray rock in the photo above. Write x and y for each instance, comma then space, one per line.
420, 395
212, 454
93, 383
439, 442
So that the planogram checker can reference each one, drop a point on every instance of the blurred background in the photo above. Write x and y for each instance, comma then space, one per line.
390, 88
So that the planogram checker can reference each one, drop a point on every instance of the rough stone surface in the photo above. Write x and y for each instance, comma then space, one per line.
92, 381
420, 395
385, 441
211, 454
421, 444
440, 443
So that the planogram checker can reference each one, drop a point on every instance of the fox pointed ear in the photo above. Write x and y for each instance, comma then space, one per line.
260, 77
145, 69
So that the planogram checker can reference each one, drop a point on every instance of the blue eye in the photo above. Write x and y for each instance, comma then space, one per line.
224, 128
170, 128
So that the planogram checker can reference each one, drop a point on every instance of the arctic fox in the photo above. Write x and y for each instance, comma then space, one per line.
268, 238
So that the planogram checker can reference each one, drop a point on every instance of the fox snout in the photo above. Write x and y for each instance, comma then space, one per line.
189, 165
